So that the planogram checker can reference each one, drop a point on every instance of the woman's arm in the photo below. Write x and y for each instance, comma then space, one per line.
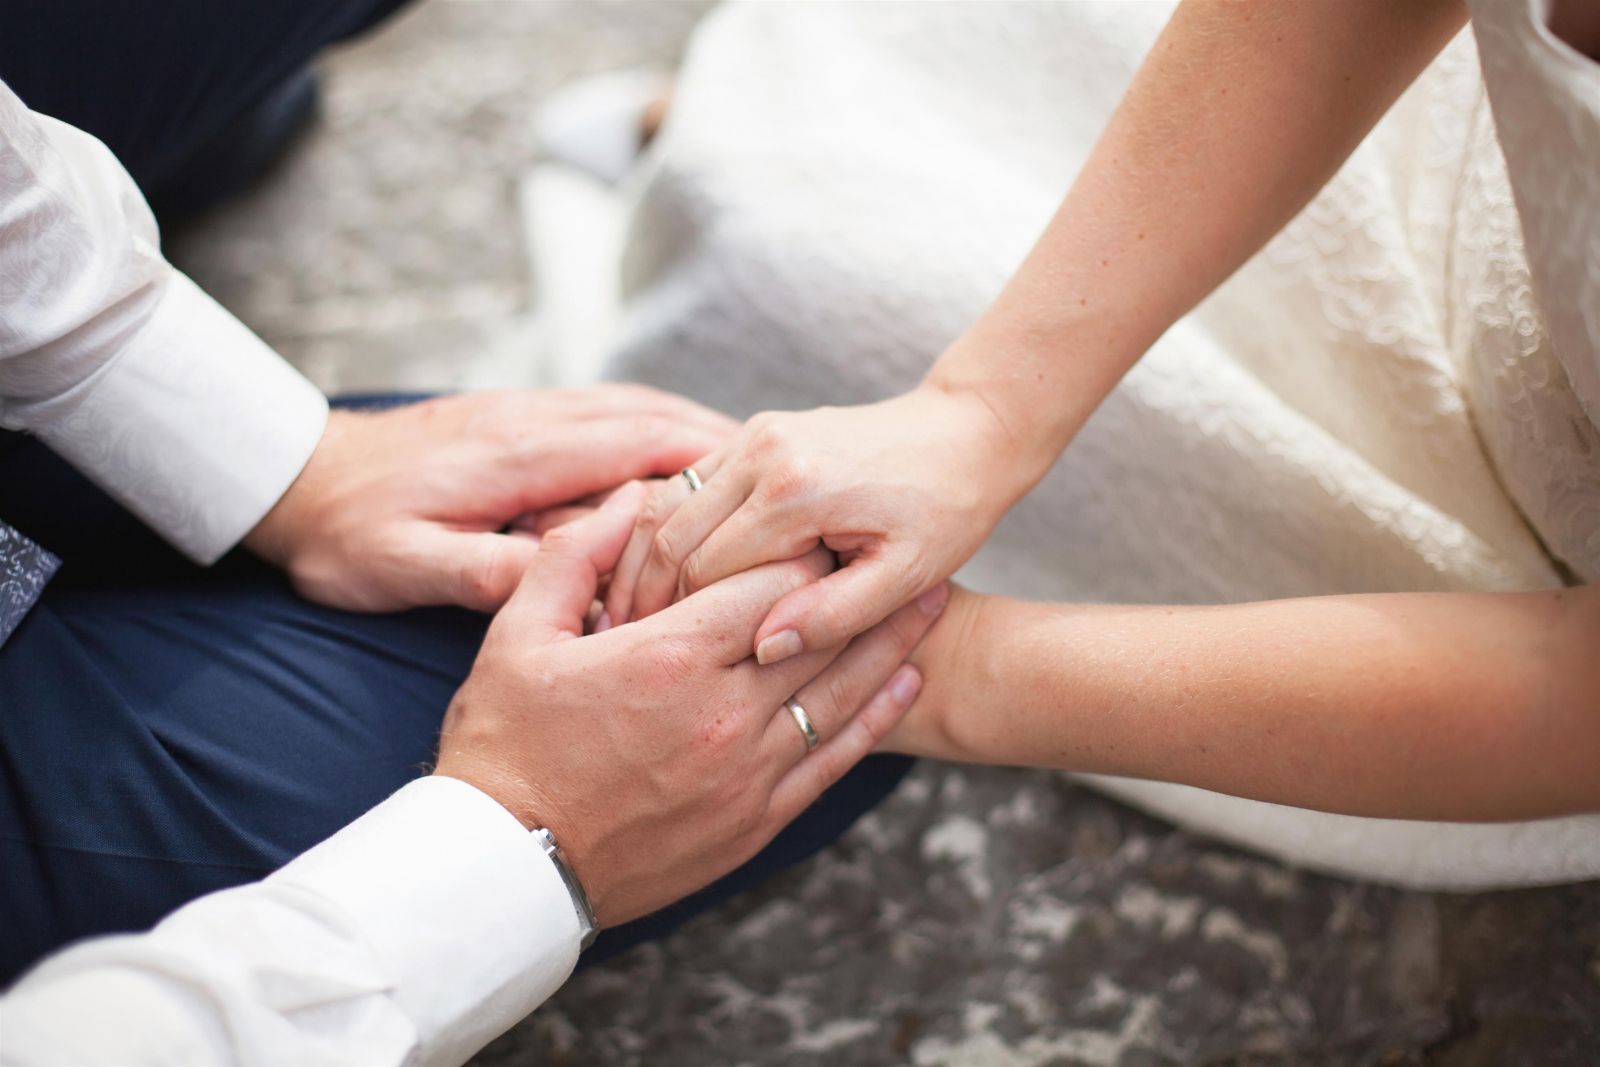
1239, 114
1469, 706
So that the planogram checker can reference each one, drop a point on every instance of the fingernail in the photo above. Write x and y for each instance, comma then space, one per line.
933, 601
603, 623
779, 647
905, 685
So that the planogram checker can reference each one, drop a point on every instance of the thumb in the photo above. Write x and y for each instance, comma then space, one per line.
832, 610
560, 583
472, 570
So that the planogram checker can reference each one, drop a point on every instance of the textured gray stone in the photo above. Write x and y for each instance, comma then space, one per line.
995, 917
982, 916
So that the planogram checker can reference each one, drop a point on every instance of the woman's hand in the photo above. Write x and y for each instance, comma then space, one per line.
904, 491
405, 507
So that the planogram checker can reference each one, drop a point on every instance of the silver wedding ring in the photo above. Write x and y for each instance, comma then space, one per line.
692, 476
802, 720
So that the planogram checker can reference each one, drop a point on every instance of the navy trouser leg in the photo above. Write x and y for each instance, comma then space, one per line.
185, 92
166, 731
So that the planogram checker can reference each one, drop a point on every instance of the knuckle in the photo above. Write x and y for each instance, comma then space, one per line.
793, 478
663, 553
836, 695
718, 736
560, 541
478, 579
693, 577
771, 435
748, 817
830, 768
657, 506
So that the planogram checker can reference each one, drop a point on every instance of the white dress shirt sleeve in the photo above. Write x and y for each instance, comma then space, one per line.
120, 363
413, 936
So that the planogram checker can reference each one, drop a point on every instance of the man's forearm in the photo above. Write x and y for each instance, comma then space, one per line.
1442, 706
1239, 114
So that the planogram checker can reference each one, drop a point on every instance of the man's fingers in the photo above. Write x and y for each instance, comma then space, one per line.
610, 398
832, 698
592, 456
807, 780
722, 620
830, 612
477, 571
720, 495
560, 583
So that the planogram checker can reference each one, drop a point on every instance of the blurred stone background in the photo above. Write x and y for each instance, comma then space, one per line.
981, 917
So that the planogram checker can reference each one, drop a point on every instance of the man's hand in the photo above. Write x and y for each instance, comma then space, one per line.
659, 753
404, 508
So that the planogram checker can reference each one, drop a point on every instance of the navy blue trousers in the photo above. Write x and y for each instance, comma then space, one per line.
167, 730
194, 97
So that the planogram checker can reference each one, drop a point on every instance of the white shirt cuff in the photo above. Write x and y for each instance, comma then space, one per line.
196, 426
466, 914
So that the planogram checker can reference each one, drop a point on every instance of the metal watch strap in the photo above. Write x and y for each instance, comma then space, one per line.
588, 927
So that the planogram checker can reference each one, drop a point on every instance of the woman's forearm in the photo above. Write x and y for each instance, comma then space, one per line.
1432, 705
1239, 114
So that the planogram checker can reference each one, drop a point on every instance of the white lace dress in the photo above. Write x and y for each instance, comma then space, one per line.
1386, 398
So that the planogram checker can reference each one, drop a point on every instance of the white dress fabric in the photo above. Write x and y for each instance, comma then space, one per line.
1374, 403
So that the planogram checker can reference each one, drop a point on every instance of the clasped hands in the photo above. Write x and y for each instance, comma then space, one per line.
657, 752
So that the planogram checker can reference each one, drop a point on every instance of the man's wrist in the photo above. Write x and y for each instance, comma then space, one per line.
511, 793
588, 925
274, 537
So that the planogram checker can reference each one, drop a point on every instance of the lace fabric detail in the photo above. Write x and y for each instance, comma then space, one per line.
1524, 277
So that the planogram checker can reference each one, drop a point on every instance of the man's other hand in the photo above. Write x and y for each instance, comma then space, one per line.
659, 753
405, 507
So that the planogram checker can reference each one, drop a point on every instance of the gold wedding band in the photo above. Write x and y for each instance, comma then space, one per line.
692, 476
802, 720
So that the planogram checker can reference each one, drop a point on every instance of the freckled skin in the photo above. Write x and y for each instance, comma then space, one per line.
1441, 706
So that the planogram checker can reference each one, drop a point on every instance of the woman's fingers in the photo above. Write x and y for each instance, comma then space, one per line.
838, 607
750, 537
721, 493
664, 498
809, 778
833, 697
718, 624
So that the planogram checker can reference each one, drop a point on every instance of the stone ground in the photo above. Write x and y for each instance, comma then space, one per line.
981, 917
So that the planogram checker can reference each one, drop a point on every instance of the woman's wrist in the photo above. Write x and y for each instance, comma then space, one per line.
1037, 381
954, 658
1008, 451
